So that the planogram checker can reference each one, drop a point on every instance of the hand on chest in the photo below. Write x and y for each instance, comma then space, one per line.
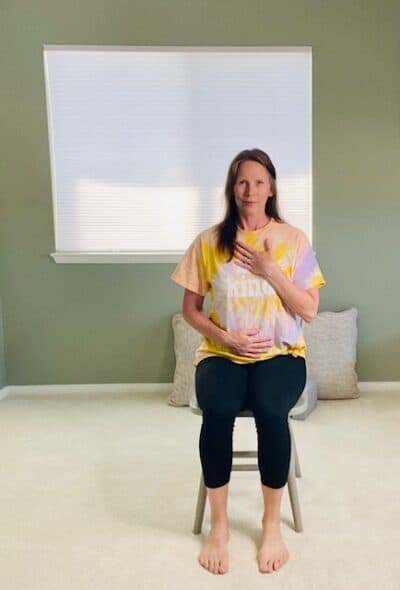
233, 280
259, 256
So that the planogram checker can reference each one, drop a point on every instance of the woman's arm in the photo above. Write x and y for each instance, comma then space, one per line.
192, 310
245, 342
303, 302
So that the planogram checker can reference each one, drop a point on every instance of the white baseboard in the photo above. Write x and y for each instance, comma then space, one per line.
87, 388
379, 385
135, 388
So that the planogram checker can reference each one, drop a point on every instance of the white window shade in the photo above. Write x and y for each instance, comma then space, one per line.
141, 140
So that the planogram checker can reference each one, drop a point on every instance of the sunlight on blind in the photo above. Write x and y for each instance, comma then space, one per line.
141, 139
176, 212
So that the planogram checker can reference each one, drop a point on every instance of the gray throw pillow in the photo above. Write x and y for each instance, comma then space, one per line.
186, 342
331, 353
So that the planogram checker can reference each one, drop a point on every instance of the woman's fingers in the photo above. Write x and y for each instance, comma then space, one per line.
254, 334
261, 340
259, 347
242, 247
251, 343
259, 351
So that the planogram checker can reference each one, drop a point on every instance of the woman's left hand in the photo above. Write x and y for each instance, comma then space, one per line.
253, 260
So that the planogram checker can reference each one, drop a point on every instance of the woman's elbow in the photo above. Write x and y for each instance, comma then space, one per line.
311, 314
309, 317
312, 306
192, 303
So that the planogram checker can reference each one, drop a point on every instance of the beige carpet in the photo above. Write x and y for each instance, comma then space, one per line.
99, 493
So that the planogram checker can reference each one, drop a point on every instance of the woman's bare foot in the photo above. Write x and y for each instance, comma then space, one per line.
273, 553
214, 555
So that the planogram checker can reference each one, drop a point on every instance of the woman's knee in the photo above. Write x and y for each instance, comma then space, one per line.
220, 387
274, 448
276, 385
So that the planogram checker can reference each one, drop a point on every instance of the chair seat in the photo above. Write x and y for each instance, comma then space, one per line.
197, 410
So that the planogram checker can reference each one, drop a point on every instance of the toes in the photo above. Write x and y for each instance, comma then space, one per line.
222, 568
213, 565
269, 562
265, 567
202, 561
210, 565
277, 564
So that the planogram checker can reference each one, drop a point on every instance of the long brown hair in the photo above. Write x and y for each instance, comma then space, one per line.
227, 228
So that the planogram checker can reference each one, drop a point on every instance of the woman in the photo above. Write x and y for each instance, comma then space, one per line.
263, 279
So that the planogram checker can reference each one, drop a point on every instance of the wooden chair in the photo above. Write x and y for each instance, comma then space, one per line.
294, 468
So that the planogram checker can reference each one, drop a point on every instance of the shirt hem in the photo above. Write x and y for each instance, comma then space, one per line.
243, 361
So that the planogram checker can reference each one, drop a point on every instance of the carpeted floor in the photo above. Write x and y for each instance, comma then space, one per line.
99, 492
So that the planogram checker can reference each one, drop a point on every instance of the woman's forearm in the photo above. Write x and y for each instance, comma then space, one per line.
297, 299
200, 322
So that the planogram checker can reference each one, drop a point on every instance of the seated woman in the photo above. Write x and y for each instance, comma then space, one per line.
263, 278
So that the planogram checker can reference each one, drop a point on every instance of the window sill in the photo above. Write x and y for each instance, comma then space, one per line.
116, 257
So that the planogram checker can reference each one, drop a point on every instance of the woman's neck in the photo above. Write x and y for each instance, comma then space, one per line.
251, 224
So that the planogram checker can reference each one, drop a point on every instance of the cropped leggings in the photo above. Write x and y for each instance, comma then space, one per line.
269, 388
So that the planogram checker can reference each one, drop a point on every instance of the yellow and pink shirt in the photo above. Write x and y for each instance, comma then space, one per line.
241, 299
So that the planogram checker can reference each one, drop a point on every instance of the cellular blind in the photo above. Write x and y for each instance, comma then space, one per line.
141, 139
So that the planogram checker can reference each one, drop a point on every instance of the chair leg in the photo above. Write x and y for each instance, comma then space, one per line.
294, 471
297, 469
292, 487
296, 456
200, 507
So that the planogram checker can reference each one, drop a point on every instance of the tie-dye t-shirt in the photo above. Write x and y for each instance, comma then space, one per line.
241, 299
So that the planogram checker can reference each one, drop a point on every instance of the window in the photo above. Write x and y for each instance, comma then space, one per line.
141, 139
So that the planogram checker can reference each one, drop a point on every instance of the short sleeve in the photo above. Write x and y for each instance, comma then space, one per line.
306, 270
190, 272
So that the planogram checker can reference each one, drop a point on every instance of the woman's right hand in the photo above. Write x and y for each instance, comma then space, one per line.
249, 342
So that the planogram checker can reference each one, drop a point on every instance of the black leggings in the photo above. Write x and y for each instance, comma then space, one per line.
268, 388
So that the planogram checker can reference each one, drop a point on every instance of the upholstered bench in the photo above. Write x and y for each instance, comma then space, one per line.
330, 358
307, 401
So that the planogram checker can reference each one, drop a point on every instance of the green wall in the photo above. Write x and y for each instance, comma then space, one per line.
111, 323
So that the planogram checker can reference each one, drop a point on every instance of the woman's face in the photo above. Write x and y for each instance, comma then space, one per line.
252, 188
